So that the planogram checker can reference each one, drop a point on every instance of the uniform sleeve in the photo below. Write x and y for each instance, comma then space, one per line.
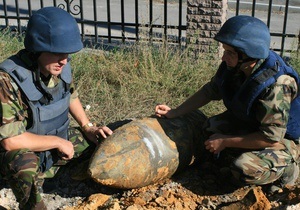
272, 110
12, 113
211, 90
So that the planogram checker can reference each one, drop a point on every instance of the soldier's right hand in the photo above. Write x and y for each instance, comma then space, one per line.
66, 150
162, 110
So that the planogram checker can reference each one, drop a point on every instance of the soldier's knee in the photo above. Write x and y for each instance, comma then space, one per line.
250, 170
23, 160
246, 173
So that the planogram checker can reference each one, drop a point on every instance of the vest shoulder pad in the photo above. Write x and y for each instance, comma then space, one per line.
22, 77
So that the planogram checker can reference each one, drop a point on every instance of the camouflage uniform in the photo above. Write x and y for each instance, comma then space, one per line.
272, 112
22, 168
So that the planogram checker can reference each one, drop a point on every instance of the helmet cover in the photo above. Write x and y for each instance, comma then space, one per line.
52, 29
247, 34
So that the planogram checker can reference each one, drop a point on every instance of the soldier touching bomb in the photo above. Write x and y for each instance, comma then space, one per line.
37, 94
258, 135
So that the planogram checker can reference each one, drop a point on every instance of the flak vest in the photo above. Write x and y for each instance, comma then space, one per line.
49, 117
241, 101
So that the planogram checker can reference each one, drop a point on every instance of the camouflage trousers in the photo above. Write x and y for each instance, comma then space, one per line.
22, 169
257, 167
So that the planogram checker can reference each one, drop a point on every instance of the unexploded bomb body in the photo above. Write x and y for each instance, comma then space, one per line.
145, 151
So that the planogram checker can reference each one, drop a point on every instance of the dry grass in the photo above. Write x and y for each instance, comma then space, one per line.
130, 81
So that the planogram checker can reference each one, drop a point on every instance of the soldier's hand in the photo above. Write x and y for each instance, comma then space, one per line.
162, 110
66, 150
215, 143
94, 133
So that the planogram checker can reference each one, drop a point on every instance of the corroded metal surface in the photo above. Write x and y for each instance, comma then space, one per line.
146, 150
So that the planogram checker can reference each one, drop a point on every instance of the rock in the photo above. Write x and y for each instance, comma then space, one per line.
93, 202
253, 200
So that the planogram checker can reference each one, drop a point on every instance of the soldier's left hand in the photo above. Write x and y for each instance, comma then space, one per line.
94, 133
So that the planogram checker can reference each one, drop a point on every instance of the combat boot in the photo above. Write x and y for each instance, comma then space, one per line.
288, 178
290, 175
39, 185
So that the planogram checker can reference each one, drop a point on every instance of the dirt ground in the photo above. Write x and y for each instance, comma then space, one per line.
198, 187
205, 186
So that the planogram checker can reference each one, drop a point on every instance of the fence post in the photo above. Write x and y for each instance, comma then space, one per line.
298, 48
204, 19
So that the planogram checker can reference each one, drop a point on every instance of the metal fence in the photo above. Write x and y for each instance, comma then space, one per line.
109, 21
281, 16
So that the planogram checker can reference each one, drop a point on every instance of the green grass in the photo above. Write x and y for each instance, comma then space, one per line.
9, 44
129, 82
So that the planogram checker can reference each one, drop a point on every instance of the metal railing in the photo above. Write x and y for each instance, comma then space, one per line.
110, 21
270, 6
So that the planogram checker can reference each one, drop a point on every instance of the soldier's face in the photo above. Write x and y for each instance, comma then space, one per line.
52, 63
230, 56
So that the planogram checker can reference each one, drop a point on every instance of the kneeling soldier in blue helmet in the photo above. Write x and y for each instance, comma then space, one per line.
257, 137
37, 94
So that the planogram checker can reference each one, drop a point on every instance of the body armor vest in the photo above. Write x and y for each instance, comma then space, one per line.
49, 117
240, 101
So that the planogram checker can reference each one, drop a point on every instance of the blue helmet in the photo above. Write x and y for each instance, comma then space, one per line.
52, 29
247, 34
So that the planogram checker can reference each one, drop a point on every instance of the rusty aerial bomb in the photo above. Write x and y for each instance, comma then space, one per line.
145, 151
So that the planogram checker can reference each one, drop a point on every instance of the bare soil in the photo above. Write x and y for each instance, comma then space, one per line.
198, 187
205, 186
